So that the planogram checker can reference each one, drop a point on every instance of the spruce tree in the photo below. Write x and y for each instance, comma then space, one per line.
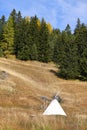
57, 55
19, 17
13, 14
53, 37
78, 26
2, 23
33, 38
17, 31
21, 46
34, 51
66, 56
69, 68
81, 41
68, 30
44, 47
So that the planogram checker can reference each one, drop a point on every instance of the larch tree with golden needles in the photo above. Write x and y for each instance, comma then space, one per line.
8, 37
2, 23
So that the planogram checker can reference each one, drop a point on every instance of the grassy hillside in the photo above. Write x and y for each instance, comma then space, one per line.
21, 86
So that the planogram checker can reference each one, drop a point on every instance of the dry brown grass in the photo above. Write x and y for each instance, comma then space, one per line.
20, 98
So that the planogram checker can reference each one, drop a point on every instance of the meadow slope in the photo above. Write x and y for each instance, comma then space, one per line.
22, 88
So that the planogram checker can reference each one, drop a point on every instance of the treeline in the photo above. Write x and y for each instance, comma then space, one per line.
30, 38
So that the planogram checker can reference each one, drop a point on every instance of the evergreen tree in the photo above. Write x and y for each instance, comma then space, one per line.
81, 40
57, 55
68, 30
19, 17
69, 68
44, 47
33, 38
21, 46
2, 23
78, 26
13, 14
17, 30
53, 37
62, 48
27, 39
65, 56
34, 52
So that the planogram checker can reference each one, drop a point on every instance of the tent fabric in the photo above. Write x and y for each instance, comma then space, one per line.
54, 108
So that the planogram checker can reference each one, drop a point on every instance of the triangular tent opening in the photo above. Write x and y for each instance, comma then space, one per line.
54, 108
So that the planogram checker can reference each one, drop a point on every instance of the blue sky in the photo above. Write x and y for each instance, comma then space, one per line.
57, 12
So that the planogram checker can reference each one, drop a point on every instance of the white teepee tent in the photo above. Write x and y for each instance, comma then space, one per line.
54, 108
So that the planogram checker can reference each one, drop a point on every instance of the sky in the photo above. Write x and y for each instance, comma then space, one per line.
58, 13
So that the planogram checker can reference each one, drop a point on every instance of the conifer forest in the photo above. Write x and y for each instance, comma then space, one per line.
29, 38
